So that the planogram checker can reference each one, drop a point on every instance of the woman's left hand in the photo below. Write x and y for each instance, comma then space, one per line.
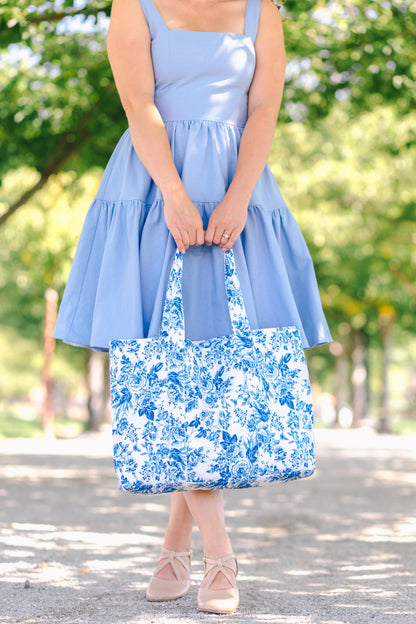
229, 218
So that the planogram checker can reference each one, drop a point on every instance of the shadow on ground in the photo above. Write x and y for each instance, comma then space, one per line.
336, 548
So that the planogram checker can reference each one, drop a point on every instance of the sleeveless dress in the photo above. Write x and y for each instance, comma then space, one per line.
118, 279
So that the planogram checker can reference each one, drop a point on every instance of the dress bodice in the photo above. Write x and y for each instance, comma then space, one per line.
202, 75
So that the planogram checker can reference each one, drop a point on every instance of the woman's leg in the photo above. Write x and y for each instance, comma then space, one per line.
179, 532
207, 508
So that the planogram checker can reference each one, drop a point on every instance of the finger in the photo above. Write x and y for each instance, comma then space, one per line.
218, 236
192, 237
178, 240
224, 232
224, 239
230, 241
200, 236
185, 238
209, 234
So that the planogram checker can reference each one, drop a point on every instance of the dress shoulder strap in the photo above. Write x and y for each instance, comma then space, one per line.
252, 18
153, 17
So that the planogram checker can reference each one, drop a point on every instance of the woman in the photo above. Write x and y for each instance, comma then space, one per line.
201, 83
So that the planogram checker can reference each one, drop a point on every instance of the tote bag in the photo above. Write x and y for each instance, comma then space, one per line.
229, 412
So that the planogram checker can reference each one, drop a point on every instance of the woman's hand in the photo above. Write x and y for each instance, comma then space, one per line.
183, 219
229, 218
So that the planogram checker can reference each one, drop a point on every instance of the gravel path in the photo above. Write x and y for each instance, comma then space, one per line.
336, 548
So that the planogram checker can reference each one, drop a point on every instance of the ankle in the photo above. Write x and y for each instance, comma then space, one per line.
177, 546
177, 541
218, 549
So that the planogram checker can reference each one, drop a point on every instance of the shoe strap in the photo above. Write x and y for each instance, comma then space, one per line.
172, 557
220, 565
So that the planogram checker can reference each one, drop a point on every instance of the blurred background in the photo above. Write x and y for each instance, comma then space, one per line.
343, 156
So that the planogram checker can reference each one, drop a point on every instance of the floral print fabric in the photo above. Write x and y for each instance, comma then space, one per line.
230, 412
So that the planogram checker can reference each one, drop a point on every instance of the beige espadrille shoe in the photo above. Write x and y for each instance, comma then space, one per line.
164, 589
219, 600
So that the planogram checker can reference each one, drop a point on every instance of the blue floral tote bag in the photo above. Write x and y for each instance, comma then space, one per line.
229, 412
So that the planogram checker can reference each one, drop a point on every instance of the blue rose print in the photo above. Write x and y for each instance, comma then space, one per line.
231, 412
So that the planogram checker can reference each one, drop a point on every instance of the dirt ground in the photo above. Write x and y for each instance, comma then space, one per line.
339, 547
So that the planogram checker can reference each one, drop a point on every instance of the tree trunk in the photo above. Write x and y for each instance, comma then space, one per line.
96, 390
107, 408
385, 420
359, 377
51, 300
341, 378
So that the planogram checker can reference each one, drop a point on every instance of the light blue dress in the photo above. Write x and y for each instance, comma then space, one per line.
118, 280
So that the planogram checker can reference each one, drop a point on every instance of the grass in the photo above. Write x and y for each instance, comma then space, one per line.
14, 425
403, 427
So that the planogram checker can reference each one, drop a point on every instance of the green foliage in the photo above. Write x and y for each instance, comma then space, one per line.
60, 105
359, 51
36, 251
58, 98
38, 244
347, 173
350, 184
20, 363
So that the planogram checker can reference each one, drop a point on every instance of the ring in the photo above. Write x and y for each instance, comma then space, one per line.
226, 235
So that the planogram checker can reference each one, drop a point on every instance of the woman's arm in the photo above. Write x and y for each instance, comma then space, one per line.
264, 101
128, 46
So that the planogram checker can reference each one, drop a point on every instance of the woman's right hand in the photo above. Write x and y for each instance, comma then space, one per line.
183, 219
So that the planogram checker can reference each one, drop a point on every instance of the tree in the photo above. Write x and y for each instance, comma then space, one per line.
36, 251
58, 98
349, 51
350, 184
60, 105
350, 79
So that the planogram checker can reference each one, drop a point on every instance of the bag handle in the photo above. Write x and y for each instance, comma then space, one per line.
173, 325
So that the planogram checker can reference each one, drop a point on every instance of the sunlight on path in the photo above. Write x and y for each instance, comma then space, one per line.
338, 548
